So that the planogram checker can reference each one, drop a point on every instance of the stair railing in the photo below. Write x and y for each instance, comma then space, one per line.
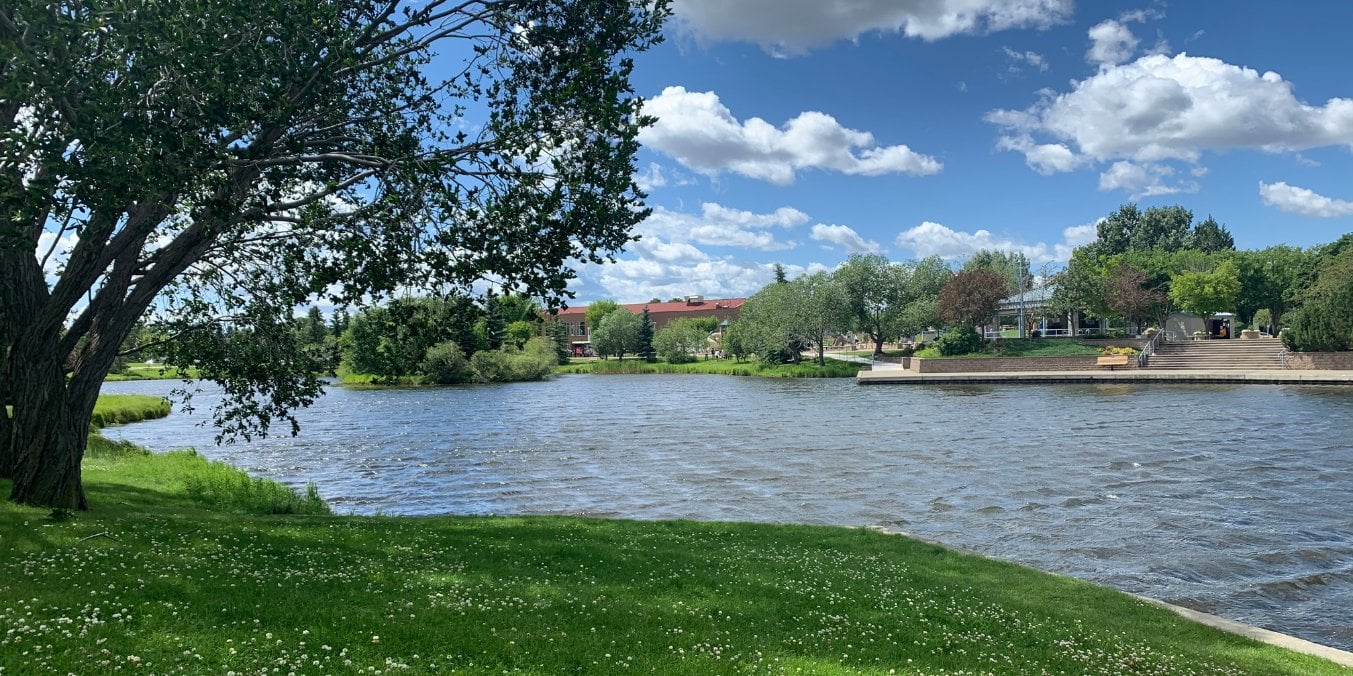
1150, 349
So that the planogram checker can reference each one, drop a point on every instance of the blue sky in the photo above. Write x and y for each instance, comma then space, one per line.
801, 131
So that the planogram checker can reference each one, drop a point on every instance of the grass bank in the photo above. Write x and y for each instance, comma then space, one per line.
120, 409
155, 579
727, 367
148, 371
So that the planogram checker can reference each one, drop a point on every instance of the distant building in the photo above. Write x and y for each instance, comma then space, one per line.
725, 309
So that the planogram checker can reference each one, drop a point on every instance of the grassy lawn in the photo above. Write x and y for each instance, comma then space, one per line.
728, 367
160, 578
1027, 347
144, 371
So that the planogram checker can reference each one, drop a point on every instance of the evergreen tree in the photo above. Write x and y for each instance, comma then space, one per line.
780, 277
646, 351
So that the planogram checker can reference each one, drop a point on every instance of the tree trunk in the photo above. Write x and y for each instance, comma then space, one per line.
878, 344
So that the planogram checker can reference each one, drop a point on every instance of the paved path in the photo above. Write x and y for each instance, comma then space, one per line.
901, 376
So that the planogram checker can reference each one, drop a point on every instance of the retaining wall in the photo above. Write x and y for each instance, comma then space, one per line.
1013, 364
1324, 361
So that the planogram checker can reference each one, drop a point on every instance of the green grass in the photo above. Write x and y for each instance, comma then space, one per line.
153, 579
144, 371
374, 380
120, 409
1027, 347
727, 367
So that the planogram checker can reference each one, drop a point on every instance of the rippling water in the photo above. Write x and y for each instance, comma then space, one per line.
1233, 500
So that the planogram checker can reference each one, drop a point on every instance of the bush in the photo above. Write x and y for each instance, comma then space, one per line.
959, 340
533, 362
1316, 328
445, 364
1111, 351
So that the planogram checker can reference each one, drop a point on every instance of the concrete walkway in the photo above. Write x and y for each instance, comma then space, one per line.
900, 376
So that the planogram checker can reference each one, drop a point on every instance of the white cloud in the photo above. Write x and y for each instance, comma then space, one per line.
793, 26
700, 132
1161, 108
1110, 43
718, 225
637, 280
934, 239
1143, 180
845, 237
650, 178
56, 250
1303, 201
1033, 59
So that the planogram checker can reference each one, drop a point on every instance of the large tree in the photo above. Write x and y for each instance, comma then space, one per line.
880, 293
1130, 292
1207, 293
226, 162
824, 311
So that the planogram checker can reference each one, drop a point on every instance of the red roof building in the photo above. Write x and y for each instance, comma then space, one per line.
725, 309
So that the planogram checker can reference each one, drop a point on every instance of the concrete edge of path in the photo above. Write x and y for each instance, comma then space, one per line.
1301, 645
1342, 657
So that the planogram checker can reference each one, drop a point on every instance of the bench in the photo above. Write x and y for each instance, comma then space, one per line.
1112, 361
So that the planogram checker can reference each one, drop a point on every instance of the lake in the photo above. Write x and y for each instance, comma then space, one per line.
1233, 500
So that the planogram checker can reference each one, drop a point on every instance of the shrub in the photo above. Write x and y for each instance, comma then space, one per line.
533, 362
1110, 351
445, 364
959, 340
1316, 328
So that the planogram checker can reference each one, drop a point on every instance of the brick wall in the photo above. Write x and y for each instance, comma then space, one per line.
1002, 365
1308, 361
1134, 343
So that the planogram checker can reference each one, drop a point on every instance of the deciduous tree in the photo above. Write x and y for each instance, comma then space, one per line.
229, 162
971, 297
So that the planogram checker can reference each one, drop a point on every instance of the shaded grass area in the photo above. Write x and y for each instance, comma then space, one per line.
146, 371
727, 367
153, 579
1027, 347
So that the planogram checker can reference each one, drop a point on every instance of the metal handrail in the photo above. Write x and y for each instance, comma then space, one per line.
1150, 349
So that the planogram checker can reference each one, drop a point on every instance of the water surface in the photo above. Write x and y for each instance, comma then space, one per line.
1233, 500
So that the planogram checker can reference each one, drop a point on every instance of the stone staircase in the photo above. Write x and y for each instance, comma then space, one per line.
1219, 355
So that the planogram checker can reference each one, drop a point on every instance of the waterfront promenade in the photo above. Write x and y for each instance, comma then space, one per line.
894, 374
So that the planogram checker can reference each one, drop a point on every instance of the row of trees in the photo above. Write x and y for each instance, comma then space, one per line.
1145, 264
617, 332
452, 339
875, 297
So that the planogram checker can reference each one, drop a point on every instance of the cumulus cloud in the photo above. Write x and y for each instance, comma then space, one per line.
845, 237
637, 280
1143, 180
700, 132
1111, 42
1303, 201
934, 239
1160, 108
718, 225
785, 27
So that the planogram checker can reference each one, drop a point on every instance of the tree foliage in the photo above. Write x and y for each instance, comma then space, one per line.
228, 162
971, 297
1207, 293
680, 340
1324, 323
887, 298
645, 348
1129, 292
618, 334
